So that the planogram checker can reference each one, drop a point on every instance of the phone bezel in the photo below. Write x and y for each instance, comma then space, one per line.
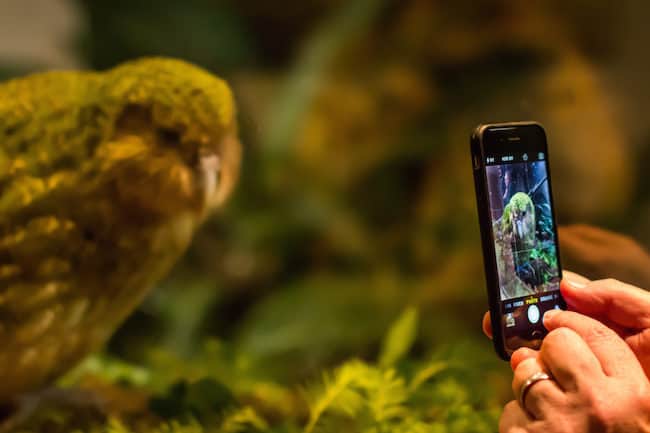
512, 134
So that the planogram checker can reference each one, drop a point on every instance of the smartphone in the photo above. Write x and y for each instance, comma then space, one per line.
518, 231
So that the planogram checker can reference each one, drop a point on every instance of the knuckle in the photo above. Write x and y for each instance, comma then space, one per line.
599, 334
596, 405
587, 395
608, 283
599, 413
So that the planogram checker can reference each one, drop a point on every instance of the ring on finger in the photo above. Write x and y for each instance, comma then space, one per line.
528, 383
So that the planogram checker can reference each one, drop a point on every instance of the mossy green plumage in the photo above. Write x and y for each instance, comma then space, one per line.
103, 179
519, 220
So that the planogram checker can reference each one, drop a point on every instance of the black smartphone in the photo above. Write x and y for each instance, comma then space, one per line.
518, 231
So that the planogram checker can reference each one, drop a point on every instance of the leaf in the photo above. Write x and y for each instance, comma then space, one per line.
385, 394
243, 420
369, 396
427, 373
400, 338
338, 392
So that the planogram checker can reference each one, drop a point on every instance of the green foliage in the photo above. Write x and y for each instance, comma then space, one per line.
544, 219
110, 369
361, 397
116, 426
367, 394
199, 399
218, 390
243, 420
545, 251
400, 338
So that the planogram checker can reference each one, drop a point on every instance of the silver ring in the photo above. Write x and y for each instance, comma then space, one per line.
532, 380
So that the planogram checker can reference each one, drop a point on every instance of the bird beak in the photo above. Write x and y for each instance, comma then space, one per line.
210, 170
218, 171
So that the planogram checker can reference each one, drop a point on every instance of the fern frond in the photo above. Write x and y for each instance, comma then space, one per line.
242, 420
116, 426
412, 425
385, 394
373, 395
338, 392
429, 371
176, 427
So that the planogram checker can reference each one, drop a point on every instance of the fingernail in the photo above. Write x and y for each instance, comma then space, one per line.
575, 281
549, 315
575, 284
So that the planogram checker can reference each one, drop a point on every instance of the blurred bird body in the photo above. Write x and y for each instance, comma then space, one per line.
104, 177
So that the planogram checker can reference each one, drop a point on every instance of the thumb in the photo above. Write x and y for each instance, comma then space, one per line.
610, 300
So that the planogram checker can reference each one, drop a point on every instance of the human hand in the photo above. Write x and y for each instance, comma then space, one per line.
597, 382
619, 306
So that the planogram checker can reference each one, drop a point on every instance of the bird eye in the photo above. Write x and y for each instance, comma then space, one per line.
169, 137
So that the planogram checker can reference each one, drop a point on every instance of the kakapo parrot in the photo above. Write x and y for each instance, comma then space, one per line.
518, 220
104, 177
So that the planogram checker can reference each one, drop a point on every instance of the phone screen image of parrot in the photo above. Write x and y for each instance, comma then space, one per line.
523, 229
104, 178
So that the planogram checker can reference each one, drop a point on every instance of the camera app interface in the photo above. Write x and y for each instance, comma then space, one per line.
524, 242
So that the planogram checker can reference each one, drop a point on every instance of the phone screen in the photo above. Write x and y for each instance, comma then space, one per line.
525, 238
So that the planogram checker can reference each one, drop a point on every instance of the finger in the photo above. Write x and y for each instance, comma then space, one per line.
570, 360
580, 304
487, 325
575, 278
520, 355
573, 286
620, 303
543, 397
614, 355
513, 419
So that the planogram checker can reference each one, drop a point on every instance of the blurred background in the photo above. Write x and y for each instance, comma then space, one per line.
356, 198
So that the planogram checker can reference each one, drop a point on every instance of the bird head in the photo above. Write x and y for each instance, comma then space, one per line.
522, 215
173, 136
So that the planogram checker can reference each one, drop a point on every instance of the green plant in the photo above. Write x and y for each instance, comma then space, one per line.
220, 391
397, 395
